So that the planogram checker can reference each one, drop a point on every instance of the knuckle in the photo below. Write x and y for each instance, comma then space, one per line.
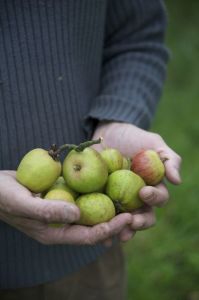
179, 158
150, 221
48, 216
163, 199
46, 213
156, 137
104, 231
98, 234
139, 223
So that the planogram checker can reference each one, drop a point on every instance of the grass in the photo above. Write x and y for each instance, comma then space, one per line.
163, 262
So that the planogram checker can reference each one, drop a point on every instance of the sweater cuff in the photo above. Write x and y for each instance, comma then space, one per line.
111, 108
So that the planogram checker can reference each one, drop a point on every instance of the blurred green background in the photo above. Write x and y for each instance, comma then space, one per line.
163, 262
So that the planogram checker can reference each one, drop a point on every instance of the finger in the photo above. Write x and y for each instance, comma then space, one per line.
155, 196
86, 235
143, 220
53, 211
126, 234
18, 201
172, 162
72, 234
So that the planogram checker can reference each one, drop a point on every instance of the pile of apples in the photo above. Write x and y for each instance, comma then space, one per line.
100, 184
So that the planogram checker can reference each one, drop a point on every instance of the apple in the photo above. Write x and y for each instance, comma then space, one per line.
38, 170
60, 184
85, 171
149, 166
57, 194
113, 159
126, 164
95, 208
123, 188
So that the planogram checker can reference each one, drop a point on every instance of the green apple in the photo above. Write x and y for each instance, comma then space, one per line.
38, 170
60, 184
148, 165
113, 159
85, 171
95, 208
57, 194
123, 188
126, 164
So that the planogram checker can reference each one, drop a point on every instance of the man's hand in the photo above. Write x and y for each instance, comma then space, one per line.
129, 139
32, 215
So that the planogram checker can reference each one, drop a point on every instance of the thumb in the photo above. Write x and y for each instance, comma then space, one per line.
172, 164
43, 210
16, 200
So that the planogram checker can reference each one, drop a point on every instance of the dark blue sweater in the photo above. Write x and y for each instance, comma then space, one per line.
65, 65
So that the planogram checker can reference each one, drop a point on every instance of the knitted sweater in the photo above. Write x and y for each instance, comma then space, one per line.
65, 65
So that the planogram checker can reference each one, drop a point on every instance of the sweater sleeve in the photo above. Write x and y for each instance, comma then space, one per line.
134, 63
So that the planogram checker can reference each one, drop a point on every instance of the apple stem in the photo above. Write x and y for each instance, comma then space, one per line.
118, 206
86, 144
54, 151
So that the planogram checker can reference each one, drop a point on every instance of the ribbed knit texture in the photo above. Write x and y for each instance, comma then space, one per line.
64, 65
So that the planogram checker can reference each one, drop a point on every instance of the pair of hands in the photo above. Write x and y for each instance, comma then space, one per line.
32, 215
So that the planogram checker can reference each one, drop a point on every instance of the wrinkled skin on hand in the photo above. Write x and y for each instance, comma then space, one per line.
129, 139
32, 215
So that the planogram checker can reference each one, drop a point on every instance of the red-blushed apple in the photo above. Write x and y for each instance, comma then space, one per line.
148, 165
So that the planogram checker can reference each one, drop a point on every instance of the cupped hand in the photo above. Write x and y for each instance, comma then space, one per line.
32, 215
129, 139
